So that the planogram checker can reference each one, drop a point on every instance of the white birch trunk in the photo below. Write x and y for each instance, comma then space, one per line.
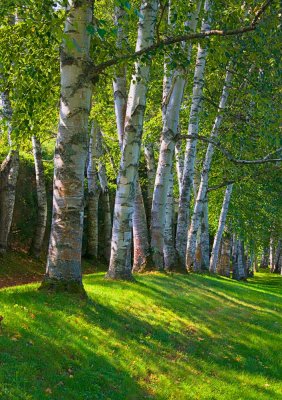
141, 255
170, 260
151, 175
220, 229
105, 229
271, 255
179, 160
64, 256
171, 109
205, 238
196, 218
120, 262
119, 81
190, 152
93, 194
39, 233
9, 171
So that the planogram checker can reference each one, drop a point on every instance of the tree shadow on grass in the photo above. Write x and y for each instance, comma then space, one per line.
135, 341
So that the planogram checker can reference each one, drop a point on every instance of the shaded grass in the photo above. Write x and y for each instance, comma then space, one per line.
164, 337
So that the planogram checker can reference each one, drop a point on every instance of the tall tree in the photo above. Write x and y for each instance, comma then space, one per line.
64, 256
120, 263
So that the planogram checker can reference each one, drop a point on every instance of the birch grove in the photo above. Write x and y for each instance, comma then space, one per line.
135, 202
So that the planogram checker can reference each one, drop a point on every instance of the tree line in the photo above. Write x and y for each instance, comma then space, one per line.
127, 97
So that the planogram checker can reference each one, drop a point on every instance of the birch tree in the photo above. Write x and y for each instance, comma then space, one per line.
41, 222
171, 108
120, 263
93, 193
220, 229
190, 152
196, 218
8, 176
64, 256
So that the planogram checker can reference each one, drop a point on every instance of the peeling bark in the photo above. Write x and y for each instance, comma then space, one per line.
41, 222
172, 99
120, 263
9, 171
64, 257
141, 256
170, 258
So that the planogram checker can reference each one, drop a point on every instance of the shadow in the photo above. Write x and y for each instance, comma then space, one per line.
162, 337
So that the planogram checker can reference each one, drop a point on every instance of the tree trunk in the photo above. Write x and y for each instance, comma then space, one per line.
39, 233
265, 258
170, 259
196, 218
190, 152
120, 262
171, 108
64, 257
220, 229
277, 257
151, 175
93, 194
179, 164
9, 171
205, 238
105, 228
223, 263
271, 255
239, 269
119, 81
141, 246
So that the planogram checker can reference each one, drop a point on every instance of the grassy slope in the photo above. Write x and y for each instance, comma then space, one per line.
163, 337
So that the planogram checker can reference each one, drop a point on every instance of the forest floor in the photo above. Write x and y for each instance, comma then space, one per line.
164, 337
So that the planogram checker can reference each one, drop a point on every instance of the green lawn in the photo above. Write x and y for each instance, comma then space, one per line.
163, 337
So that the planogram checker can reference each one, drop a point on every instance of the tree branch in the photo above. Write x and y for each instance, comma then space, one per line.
229, 156
97, 69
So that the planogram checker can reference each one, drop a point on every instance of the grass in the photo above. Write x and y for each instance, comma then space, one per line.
164, 337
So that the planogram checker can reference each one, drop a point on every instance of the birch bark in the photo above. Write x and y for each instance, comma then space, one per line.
119, 81
220, 229
190, 152
170, 259
39, 233
171, 109
63, 270
140, 233
9, 171
93, 194
271, 255
120, 262
151, 174
196, 218
105, 229
223, 263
